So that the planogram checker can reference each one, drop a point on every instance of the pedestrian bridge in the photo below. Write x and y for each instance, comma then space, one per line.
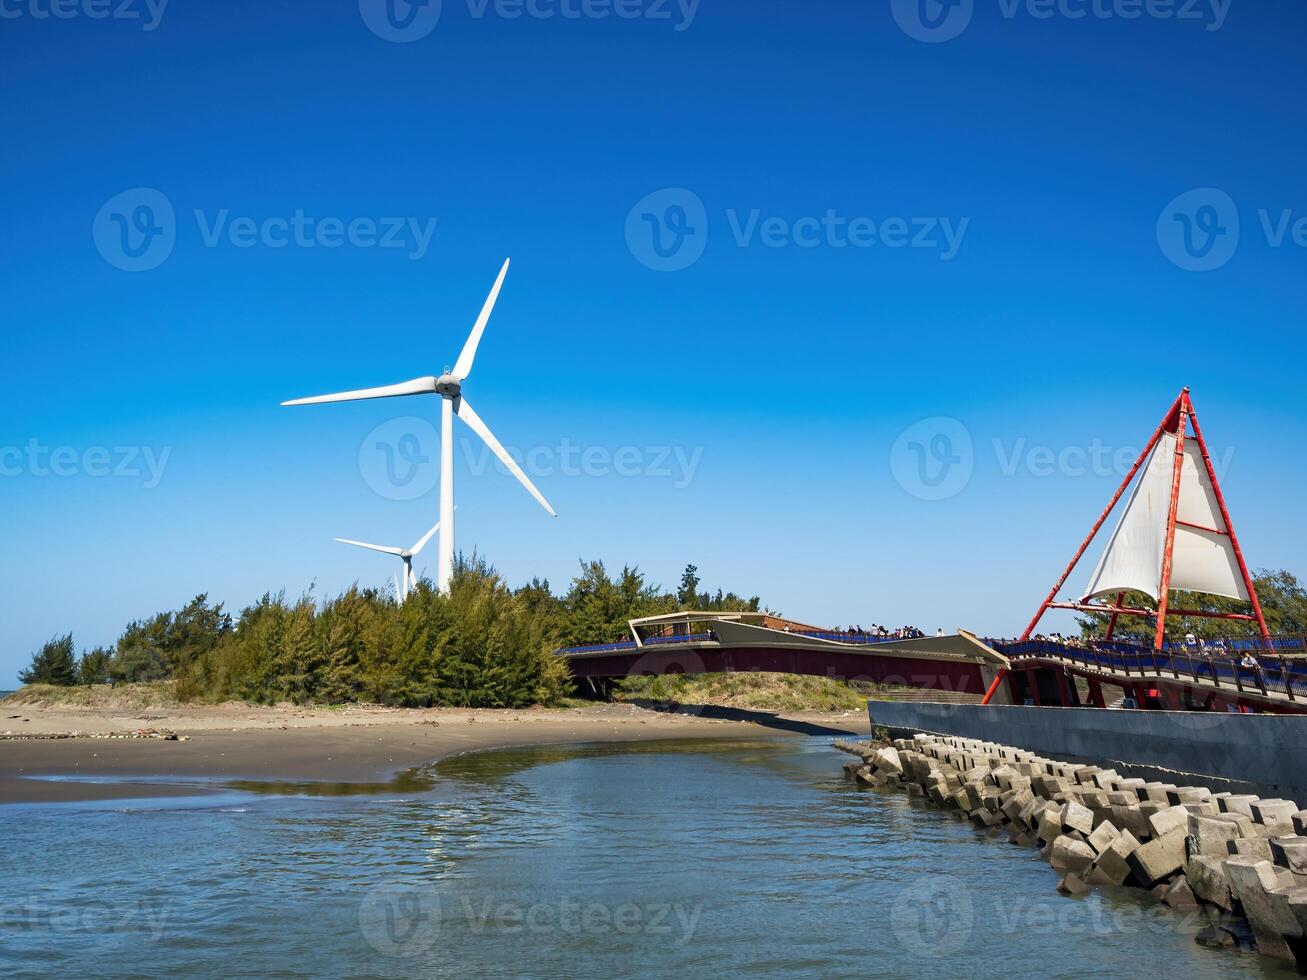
1039, 672
700, 642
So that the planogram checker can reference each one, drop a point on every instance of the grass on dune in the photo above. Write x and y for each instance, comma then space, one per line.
764, 691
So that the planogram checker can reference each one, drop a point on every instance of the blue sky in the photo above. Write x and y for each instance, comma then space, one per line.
1004, 249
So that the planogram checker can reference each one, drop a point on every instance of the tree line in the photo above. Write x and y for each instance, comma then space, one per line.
482, 645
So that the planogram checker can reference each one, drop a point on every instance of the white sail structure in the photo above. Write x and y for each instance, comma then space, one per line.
1203, 558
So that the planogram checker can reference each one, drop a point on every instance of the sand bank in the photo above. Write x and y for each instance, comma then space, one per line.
357, 744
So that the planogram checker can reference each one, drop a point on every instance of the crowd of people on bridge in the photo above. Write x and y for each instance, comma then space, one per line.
885, 633
1218, 648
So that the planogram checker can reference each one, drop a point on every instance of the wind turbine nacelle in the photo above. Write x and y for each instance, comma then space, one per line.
448, 386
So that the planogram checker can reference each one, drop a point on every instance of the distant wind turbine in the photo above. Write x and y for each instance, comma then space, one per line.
405, 584
449, 386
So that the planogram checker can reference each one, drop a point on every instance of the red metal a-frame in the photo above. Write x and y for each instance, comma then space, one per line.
1176, 422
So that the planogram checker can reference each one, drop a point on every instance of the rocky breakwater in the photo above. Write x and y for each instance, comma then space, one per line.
1238, 855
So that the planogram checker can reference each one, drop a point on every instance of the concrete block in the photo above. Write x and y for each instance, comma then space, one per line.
1206, 876
1068, 854
1300, 823
1092, 798
1086, 774
1254, 848
1298, 907
1099, 876
1131, 818
1050, 824
1155, 791
1291, 853
1276, 814
1031, 812
984, 817
868, 778
887, 760
1016, 806
1212, 835
1073, 885
1188, 794
1238, 803
1216, 937
1172, 818
1113, 862
1102, 836
1262, 891
1159, 858
1077, 817
1107, 779
1180, 896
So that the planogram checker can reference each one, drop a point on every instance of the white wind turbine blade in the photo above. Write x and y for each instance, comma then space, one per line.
464, 411
413, 551
399, 594
425, 538
373, 547
418, 386
464, 366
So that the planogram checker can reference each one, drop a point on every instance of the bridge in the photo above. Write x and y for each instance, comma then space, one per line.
1039, 672
1178, 677
701, 642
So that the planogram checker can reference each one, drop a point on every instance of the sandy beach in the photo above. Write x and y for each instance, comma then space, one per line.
363, 744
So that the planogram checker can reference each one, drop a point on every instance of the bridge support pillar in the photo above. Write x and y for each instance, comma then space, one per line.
1096, 693
1065, 691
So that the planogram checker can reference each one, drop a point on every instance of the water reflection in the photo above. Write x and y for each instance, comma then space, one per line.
592, 861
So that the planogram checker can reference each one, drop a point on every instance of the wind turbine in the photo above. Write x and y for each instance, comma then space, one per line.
449, 386
404, 585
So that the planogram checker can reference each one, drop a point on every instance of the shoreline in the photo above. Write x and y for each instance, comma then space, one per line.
231, 743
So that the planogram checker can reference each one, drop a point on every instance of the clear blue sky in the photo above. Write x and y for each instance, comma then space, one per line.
785, 359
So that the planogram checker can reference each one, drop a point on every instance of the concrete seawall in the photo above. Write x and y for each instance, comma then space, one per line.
1266, 750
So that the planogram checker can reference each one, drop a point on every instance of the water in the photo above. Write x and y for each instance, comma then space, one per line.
719, 859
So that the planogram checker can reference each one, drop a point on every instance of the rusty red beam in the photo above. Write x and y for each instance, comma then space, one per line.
1229, 526
1168, 549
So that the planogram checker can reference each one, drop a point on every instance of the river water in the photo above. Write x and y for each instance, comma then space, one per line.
695, 858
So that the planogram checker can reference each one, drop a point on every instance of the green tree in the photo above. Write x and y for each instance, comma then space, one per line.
93, 667
597, 607
688, 594
54, 663
1283, 599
